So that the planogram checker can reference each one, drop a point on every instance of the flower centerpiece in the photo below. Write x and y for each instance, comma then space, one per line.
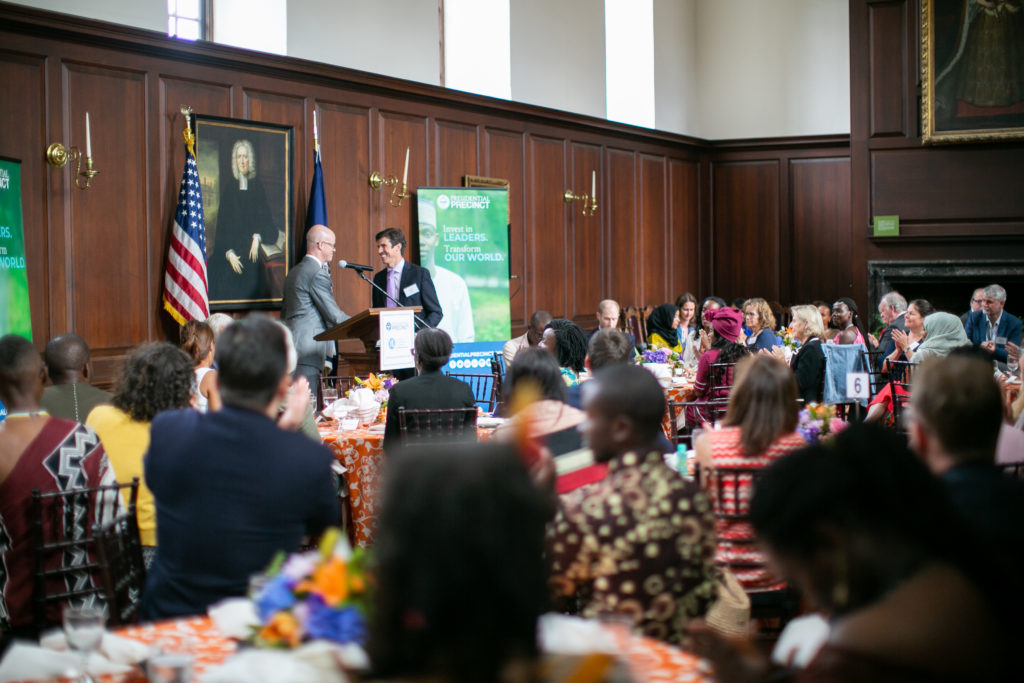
380, 385
785, 338
817, 422
316, 595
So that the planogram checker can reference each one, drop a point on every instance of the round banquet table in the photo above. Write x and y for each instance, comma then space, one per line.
648, 659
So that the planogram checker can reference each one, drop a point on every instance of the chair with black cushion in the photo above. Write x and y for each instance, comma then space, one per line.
484, 388
436, 424
900, 374
122, 571
64, 565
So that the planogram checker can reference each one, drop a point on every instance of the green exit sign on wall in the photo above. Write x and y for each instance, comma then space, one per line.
887, 226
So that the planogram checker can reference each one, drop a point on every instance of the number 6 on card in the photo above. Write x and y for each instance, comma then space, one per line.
858, 385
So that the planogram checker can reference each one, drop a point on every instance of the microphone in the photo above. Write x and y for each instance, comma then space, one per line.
354, 266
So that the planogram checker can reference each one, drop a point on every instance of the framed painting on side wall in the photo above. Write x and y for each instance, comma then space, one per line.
972, 70
246, 171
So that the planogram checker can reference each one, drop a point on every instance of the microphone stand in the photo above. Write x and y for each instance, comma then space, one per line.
373, 284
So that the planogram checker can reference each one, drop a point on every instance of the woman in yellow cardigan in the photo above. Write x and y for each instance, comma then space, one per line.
155, 377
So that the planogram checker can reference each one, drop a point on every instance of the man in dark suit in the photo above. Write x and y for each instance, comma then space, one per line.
308, 307
429, 389
232, 489
405, 282
991, 327
893, 311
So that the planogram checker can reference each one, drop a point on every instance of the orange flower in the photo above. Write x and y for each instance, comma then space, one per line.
282, 628
330, 581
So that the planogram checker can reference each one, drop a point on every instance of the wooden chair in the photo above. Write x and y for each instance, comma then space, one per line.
900, 375
714, 408
871, 360
122, 571
64, 565
436, 424
635, 327
720, 378
485, 388
340, 382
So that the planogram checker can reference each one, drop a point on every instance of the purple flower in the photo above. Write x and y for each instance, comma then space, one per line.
657, 356
275, 597
339, 625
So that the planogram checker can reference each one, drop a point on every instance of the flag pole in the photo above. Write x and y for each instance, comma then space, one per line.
316, 135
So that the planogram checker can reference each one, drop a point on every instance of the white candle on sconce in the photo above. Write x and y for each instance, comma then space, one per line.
405, 174
88, 137
593, 184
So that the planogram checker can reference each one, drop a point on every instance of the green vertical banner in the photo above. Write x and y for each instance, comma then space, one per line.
15, 315
463, 240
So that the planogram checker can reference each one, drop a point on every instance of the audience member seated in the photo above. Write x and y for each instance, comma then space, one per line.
196, 339
662, 324
642, 544
606, 348
758, 428
760, 320
872, 539
808, 363
905, 345
992, 326
232, 489
547, 417
725, 330
460, 568
846, 318
532, 337
36, 452
826, 320
428, 389
155, 378
698, 342
977, 299
687, 305
608, 312
67, 365
892, 309
566, 342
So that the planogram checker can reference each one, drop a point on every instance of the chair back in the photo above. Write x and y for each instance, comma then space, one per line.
872, 361
498, 370
64, 565
900, 374
635, 327
485, 388
681, 433
721, 378
436, 424
122, 571
340, 382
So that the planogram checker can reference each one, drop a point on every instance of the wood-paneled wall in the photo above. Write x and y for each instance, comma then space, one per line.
96, 257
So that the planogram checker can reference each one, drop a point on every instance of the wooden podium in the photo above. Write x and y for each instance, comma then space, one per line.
357, 341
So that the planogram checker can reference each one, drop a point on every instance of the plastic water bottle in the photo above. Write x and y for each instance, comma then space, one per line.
681, 465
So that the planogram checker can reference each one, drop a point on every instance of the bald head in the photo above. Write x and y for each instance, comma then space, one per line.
21, 376
67, 359
608, 314
320, 242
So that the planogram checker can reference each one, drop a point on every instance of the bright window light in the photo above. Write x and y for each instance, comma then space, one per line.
253, 24
185, 19
629, 61
477, 47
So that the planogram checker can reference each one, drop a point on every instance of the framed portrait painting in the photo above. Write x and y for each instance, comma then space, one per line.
246, 172
972, 70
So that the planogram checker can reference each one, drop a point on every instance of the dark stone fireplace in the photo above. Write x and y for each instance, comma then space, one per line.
946, 284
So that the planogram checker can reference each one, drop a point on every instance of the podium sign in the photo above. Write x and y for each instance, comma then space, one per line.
15, 315
396, 339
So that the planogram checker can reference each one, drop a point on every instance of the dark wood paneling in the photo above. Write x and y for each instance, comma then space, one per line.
621, 258
109, 236
585, 243
546, 259
504, 158
684, 216
455, 153
23, 78
653, 235
821, 239
396, 132
745, 216
888, 30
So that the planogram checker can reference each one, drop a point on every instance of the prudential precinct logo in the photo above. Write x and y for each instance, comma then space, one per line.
443, 202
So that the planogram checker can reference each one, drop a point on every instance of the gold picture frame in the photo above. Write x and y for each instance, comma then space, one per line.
956, 105
483, 181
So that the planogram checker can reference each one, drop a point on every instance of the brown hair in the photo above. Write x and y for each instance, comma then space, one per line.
762, 403
196, 339
764, 310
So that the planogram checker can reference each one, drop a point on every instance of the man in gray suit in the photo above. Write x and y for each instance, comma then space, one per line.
308, 307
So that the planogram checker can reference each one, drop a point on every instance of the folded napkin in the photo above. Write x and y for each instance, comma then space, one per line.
27, 661
234, 617
114, 648
800, 641
565, 635
316, 662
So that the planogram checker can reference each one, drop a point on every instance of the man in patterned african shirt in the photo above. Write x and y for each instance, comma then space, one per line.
642, 541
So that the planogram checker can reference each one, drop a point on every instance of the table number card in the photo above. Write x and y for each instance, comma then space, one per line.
858, 385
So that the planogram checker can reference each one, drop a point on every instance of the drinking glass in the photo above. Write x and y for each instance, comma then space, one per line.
83, 627
330, 395
170, 666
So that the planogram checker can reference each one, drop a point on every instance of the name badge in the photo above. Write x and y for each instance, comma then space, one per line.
411, 290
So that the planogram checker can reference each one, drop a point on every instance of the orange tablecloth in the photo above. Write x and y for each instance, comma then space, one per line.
649, 660
362, 453
675, 394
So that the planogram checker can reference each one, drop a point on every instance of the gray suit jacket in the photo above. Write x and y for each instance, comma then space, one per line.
308, 308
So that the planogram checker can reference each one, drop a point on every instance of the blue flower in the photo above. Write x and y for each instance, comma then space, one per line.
341, 626
274, 598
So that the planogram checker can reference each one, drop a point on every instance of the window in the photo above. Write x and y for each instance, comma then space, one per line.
186, 19
478, 47
629, 61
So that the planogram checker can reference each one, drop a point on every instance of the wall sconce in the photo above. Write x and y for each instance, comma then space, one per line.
57, 155
589, 207
377, 179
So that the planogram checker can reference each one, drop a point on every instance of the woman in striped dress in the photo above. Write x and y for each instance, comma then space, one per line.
759, 427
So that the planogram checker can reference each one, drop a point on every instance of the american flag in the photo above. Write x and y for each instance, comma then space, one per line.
186, 295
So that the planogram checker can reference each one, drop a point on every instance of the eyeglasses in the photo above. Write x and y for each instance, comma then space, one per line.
977, 301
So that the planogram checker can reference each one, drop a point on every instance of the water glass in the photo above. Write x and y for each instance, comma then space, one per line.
330, 395
170, 667
83, 627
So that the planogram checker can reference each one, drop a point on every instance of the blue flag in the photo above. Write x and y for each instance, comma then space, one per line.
316, 212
